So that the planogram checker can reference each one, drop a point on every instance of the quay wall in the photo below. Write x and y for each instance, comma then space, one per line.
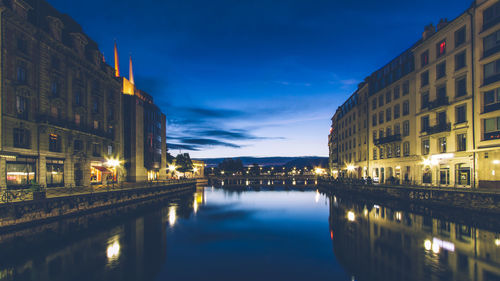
19, 214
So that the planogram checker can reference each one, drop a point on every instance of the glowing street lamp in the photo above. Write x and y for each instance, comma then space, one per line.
172, 168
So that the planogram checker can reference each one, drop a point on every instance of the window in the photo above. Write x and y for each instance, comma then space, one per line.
374, 154
381, 100
460, 36
424, 100
96, 150
442, 145
396, 93
461, 114
492, 72
55, 172
381, 133
424, 79
441, 92
374, 135
22, 138
406, 87
492, 125
388, 114
389, 152
54, 143
491, 16
381, 117
441, 118
397, 150
396, 111
95, 105
397, 129
388, 131
21, 73
111, 112
461, 87
427, 176
425, 123
381, 153
96, 125
22, 45
374, 104
78, 145
441, 48
21, 172
461, 142
425, 147
22, 107
54, 88
406, 128
406, 149
54, 111
460, 61
77, 97
110, 150
388, 97
441, 70
424, 58
406, 108
491, 44
78, 119
55, 63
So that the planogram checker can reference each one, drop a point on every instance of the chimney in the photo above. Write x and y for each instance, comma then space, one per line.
442, 23
428, 31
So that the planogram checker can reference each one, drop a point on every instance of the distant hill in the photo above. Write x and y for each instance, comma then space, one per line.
274, 161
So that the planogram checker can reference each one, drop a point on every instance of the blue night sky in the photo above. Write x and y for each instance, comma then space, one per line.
254, 77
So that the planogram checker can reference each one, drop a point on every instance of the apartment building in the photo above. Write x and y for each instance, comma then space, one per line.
434, 111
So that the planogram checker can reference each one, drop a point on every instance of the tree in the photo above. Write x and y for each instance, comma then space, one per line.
183, 163
170, 158
231, 165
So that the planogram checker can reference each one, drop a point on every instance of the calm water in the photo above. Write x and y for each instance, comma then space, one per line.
216, 234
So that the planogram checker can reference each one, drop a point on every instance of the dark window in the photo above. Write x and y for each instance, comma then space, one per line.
491, 44
22, 45
441, 92
388, 97
96, 149
21, 73
396, 111
54, 143
22, 138
77, 97
396, 93
461, 114
491, 16
381, 100
461, 142
78, 146
441, 118
55, 63
406, 149
425, 123
425, 100
54, 88
492, 72
442, 145
374, 104
388, 114
424, 58
381, 117
441, 70
406, 87
111, 112
461, 87
22, 107
460, 36
406, 128
424, 79
441, 48
374, 154
460, 61
491, 100
95, 105
406, 108
397, 129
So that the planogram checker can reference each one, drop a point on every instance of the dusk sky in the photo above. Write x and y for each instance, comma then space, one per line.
254, 78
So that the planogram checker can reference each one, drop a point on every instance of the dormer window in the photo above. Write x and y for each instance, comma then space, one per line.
21, 8
56, 27
79, 42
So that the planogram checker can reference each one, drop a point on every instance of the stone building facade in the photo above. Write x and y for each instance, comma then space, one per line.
434, 111
60, 102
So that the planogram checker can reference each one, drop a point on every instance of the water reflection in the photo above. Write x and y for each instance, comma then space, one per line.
379, 243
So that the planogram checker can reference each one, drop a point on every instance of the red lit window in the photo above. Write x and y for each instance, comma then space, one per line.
441, 48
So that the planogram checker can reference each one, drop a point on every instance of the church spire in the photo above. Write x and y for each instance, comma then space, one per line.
131, 72
117, 63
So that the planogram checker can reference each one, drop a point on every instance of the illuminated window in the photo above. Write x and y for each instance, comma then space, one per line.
54, 143
77, 119
441, 48
442, 145
425, 147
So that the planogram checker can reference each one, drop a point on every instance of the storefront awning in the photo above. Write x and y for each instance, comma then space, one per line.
103, 170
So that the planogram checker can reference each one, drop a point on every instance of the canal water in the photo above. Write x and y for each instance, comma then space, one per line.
264, 234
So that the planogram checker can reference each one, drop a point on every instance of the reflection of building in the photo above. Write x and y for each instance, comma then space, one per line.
433, 111
60, 102
378, 243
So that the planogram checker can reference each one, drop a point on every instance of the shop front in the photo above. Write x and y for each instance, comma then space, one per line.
153, 175
99, 174
21, 172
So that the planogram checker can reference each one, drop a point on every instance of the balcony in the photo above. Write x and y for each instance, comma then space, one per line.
73, 126
388, 139
440, 101
446, 127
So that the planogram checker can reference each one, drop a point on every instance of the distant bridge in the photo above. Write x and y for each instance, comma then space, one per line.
263, 180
